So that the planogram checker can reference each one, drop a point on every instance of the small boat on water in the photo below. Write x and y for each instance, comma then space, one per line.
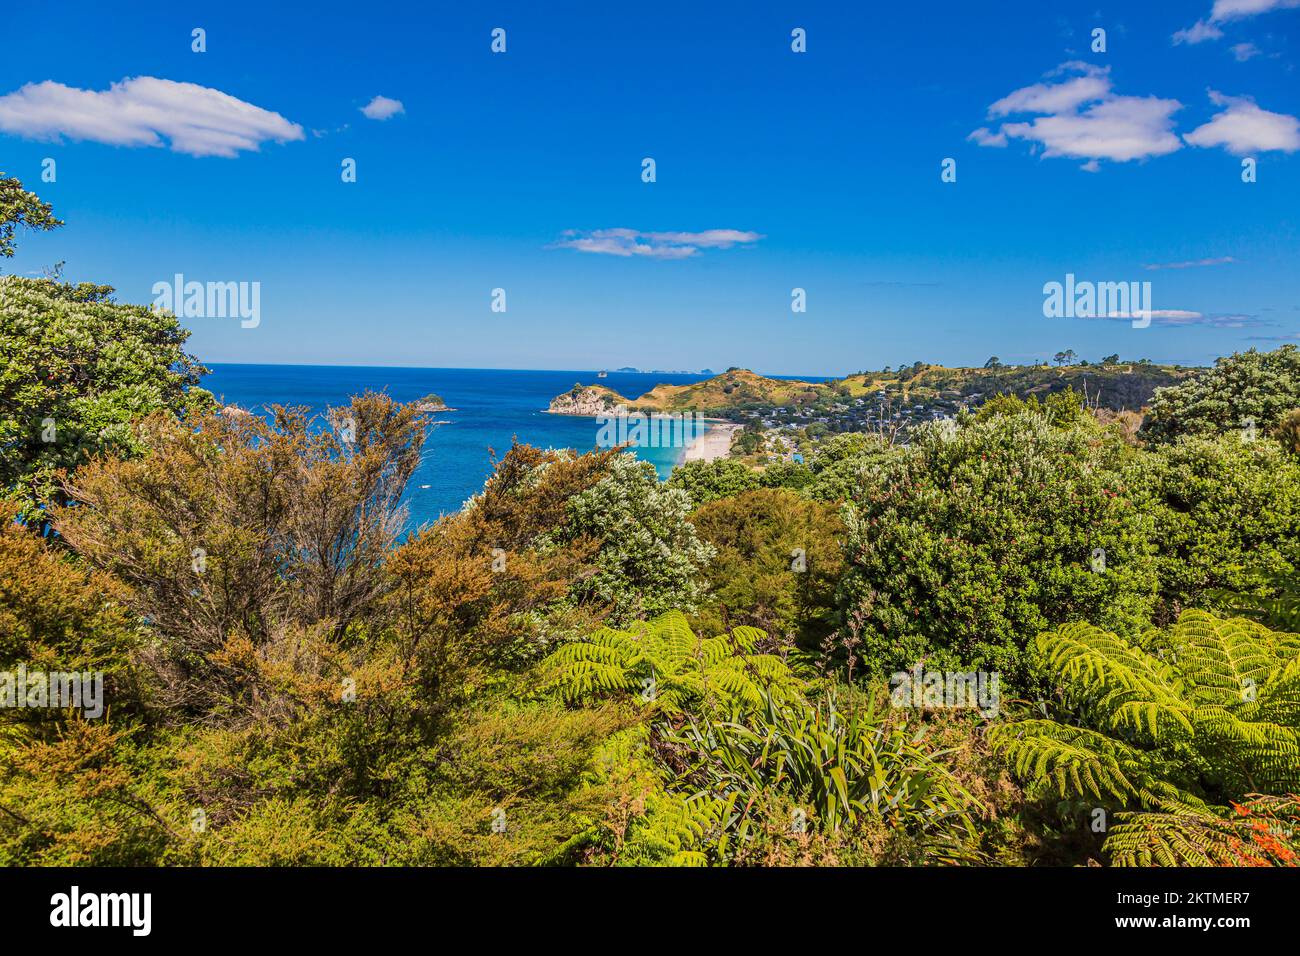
602, 374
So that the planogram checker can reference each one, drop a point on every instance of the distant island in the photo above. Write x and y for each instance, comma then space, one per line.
660, 371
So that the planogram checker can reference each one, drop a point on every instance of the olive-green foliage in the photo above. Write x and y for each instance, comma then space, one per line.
1228, 518
1182, 723
1064, 409
77, 369
389, 740
779, 561
972, 539
651, 556
1241, 389
793, 475
707, 481
668, 667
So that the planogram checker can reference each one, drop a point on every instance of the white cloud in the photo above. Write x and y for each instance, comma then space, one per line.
1198, 32
1120, 129
1237, 9
985, 137
1243, 128
1056, 97
1192, 263
653, 245
1084, 119
1244, 51
382, 108
144, 111
1225, 10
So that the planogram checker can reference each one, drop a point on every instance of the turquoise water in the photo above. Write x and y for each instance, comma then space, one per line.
492, 407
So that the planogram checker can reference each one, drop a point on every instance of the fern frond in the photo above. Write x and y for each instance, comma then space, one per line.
1127, 688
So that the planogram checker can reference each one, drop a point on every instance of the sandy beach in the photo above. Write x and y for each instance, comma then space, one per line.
714, 443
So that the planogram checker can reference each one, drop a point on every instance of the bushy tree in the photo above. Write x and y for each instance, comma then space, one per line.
20, 208
779, 561
393, 739
78, 369
792, 475
650, 555
1064, 409
707, 481
844, 464
975, 538
1228, 518
1244, 391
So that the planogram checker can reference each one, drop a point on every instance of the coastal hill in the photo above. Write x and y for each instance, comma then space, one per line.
1115, 385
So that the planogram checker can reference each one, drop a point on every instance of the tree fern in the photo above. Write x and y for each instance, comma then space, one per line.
667, 665
1175, 736
1260, 831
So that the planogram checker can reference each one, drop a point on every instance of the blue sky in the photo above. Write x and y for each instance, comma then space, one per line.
774, 170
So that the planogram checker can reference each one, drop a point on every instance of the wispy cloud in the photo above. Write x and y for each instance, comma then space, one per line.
1184, 317
1239, 9
1293, 337
1084, 119
1224, 11
986, 137
1191, 263
382, 108
1243, 128
1198, 32
144, 111
652, 245
1244, 51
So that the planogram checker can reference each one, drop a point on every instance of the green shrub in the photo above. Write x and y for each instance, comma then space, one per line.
707, 481
973, 539
1228, 518
1246, 387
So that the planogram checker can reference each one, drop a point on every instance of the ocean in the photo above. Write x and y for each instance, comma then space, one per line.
492, 407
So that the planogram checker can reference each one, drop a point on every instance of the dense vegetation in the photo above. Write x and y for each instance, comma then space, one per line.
1031, 634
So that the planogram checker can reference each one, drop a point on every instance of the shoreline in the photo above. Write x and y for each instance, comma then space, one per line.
713, 444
